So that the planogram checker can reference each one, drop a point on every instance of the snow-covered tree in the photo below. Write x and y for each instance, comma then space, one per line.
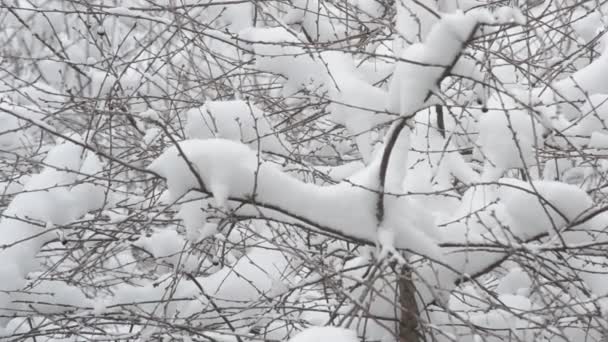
303, 170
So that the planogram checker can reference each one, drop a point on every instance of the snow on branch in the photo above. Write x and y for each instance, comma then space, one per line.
51, 200
231, 171
423, 66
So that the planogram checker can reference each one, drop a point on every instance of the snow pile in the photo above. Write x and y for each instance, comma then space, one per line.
16, 133
322, 334
576, 88
32, 96
514, 282
328, 63
590, 26
233, 120
320, 22
230, 170
166, 245
231, 17
433, 164
593, 117
413, 23
415, 19
491, 219
510, 320
259, 275
542, 206
50, 199
423, 65
592, 270
355, 103
373, 292
194, 217
282, 52
50, 296
508, 135
598, 141
372, 9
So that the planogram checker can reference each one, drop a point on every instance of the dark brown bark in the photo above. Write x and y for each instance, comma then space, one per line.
440, 120
408, 324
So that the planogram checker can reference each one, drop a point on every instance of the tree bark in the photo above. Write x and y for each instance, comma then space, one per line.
408, 323
440, 120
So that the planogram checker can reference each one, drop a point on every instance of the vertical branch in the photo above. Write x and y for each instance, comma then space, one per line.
440, 122
386, 154
408, 323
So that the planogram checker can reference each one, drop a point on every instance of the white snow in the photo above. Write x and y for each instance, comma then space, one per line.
577, 87
355, 103
268, 60
52, 199
514, 281
234, 120
232, 289
543, 206
231, 170
280, 51
317, 20
508, 135
593, 117
15, 133
422, 65
322, 334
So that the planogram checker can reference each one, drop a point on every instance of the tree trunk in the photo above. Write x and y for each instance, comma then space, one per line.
408, 324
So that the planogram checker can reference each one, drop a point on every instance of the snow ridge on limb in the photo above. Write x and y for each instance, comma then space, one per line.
423, 65
508, 215
415, 80
233, 173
